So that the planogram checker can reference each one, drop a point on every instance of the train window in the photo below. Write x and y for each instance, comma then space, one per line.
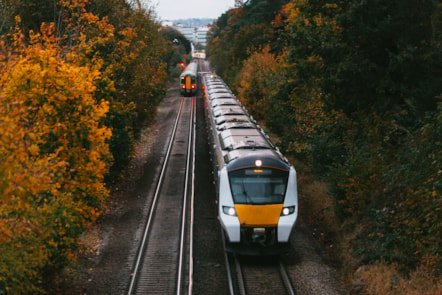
265, 187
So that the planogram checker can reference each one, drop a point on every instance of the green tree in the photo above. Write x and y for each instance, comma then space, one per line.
54, 155
248, 25
355, 92
178, 50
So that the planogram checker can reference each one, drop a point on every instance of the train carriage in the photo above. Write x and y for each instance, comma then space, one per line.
256, 186
189, 79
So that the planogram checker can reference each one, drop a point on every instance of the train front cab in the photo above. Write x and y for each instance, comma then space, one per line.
258, 208
188, 84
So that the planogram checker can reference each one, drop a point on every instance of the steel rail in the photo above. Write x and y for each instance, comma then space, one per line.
240, 280
184, 210
241, 283
229, 271
192, 206
134, 274
286, 279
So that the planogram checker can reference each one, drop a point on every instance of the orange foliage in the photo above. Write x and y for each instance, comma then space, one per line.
54, 154
255, 82
381, 278
58, 89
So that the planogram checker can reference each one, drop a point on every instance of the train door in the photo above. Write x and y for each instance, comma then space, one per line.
188, 83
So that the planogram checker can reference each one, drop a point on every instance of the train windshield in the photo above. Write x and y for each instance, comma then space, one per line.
185, 78
258, 186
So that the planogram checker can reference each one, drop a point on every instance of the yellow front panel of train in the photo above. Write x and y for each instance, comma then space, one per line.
258, 215
188, 82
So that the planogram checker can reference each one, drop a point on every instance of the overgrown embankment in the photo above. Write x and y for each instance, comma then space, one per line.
78, 81
353, 90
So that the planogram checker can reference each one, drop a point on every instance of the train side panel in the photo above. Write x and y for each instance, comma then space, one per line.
287, 223
229, 222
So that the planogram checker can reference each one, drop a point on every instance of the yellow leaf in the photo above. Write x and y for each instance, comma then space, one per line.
34, 149
32, 136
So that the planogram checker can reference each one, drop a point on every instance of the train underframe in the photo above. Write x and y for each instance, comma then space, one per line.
257, 241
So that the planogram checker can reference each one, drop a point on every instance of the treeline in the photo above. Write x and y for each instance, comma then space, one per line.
78, 81
354, 89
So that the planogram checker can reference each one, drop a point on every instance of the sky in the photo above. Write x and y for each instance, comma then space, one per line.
182, 9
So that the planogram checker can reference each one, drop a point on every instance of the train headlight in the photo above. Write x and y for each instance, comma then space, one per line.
287, 210
229, 211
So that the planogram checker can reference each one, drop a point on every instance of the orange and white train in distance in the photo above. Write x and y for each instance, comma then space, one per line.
189, 79
256, 186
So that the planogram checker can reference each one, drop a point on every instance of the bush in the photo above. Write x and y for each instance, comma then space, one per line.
54, 155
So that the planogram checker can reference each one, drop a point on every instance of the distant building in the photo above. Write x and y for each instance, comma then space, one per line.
201, 35
188, 32
167, 23
193, 34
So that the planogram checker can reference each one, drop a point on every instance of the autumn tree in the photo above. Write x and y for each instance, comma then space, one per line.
74, 93
248, 25
178, 50
355, 90
54, 155
376, 81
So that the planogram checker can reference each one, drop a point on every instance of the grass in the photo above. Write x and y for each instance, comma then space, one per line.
386, 279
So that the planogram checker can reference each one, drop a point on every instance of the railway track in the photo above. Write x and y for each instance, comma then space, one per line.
144, 251
248, 275
163, 263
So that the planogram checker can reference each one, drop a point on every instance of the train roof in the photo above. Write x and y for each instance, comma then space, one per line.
244, 138
191, 68
221, 95
236, 125
212, 77
228, 110
244, 159
223, 102
241, 132
231, 118
215, 85
210, 92
245, 142
241, 140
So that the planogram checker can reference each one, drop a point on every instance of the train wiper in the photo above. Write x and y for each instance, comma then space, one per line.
244, 191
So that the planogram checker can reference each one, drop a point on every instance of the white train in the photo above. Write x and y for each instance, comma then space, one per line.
256, 186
